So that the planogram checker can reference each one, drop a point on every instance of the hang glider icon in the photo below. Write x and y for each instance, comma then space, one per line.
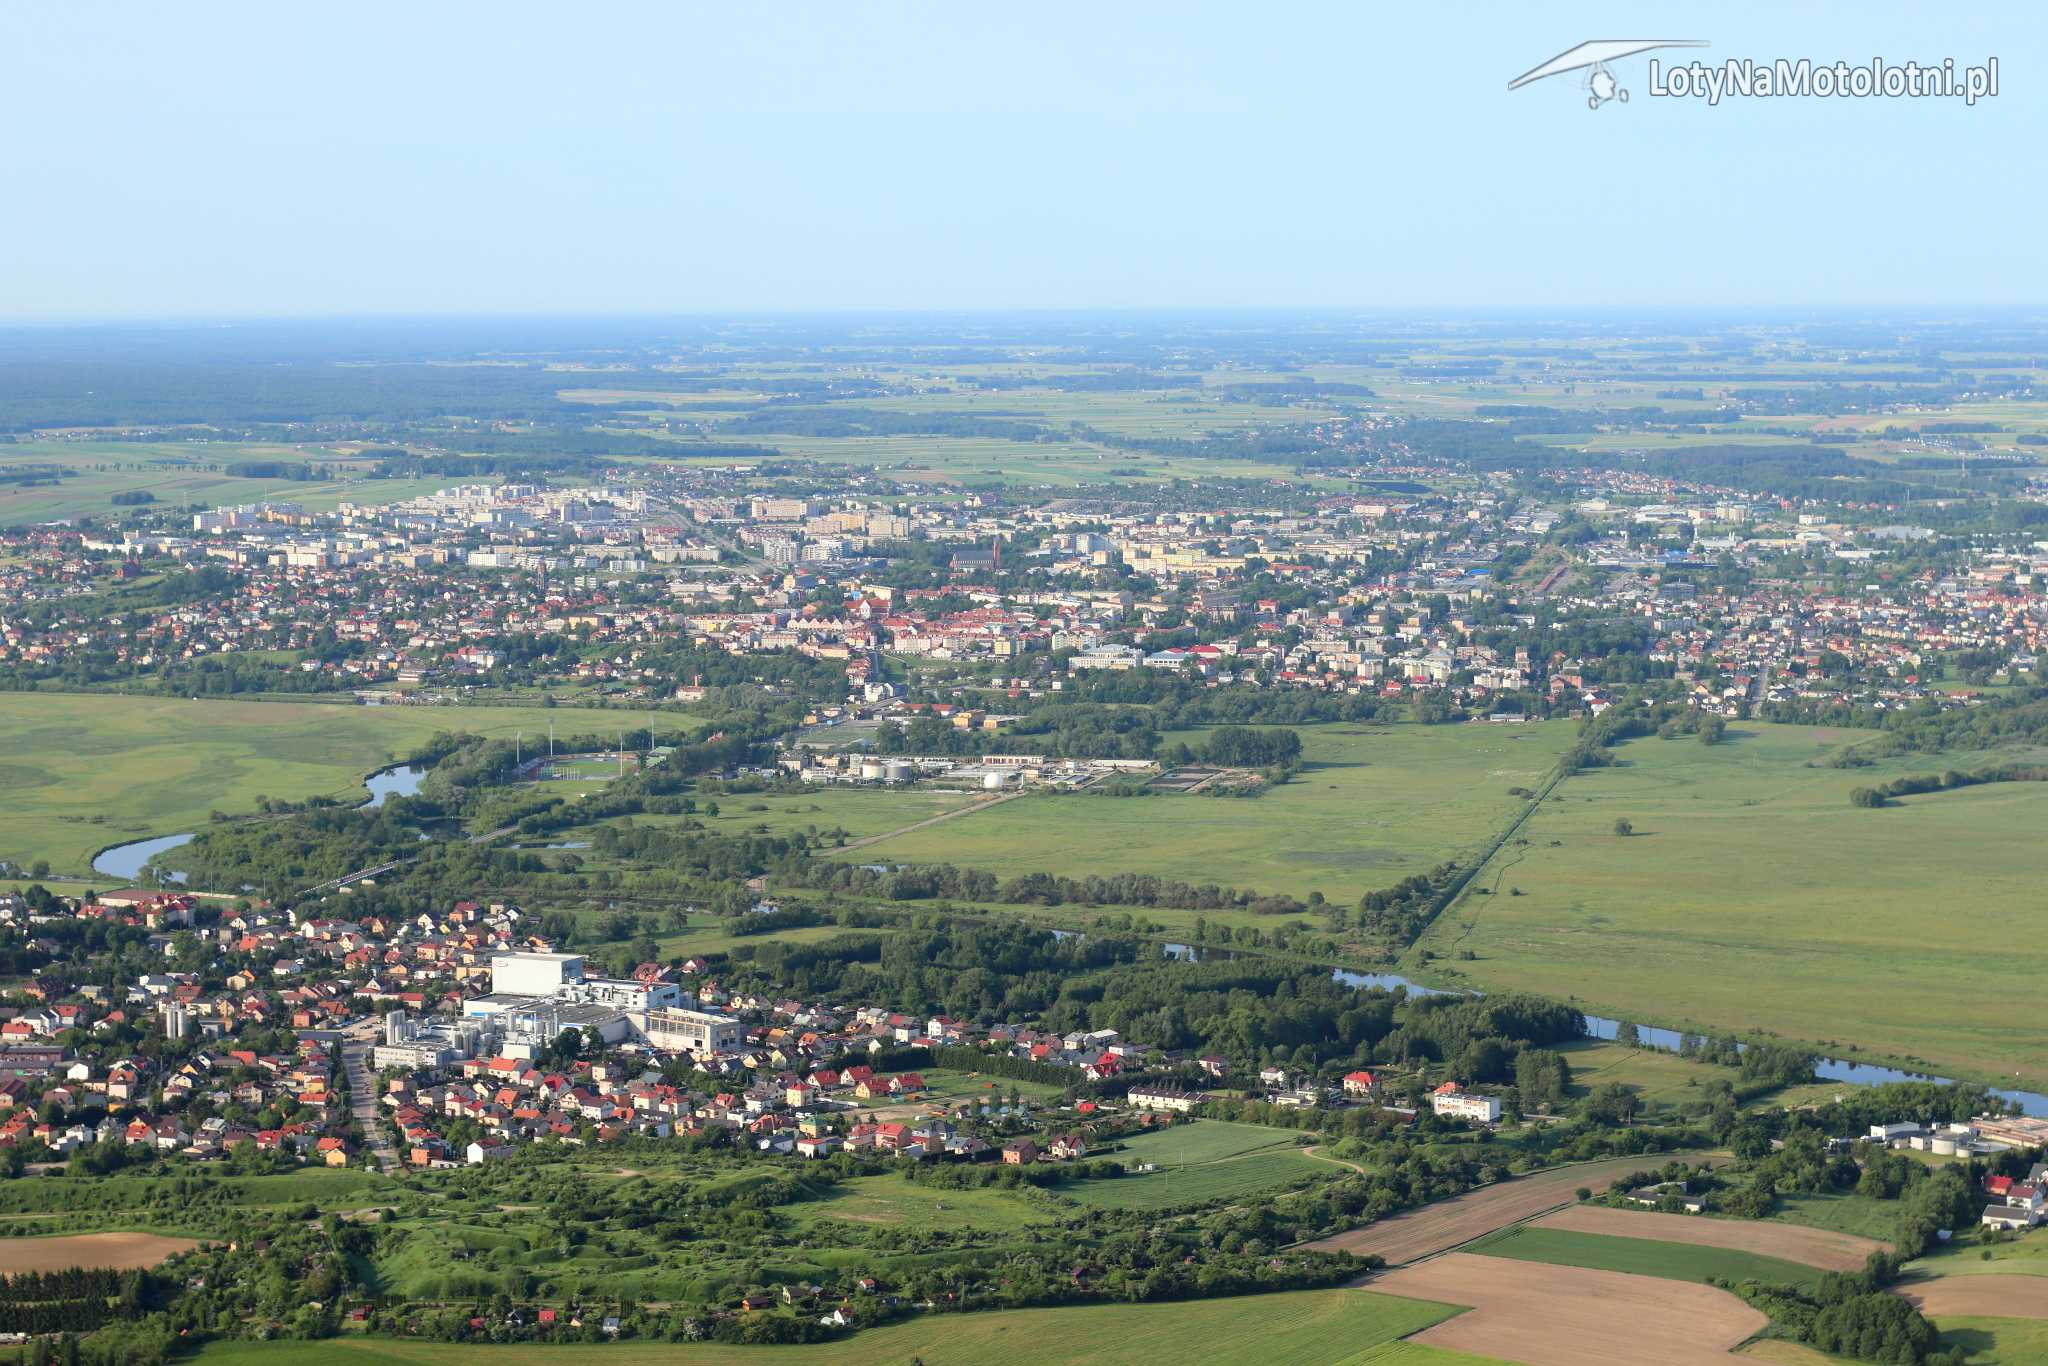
1592, 58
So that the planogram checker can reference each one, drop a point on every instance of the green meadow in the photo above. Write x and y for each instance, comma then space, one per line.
176, 475
1208, 1160
1298, 1328
1642, 1256
1996, 1342
858, 811
1371, 805
1752, 896
80, 772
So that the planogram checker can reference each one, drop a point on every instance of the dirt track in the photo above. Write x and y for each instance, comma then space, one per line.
1812, 1246
117, 1251
2001, 1297
1569, 1316
1450, 1223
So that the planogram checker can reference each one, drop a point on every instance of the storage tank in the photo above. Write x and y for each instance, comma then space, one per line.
993, 782
1944, 1147
871, 770
898, 771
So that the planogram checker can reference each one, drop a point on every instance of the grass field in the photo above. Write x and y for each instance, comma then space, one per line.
1996, 1342
82, 772
1858, 1214
174, 473
1300, 1328
1371, 806
2026, 1255
1660, 1080
860, 812
1199, 1162
1642, 1256
1754, 896
897, 1203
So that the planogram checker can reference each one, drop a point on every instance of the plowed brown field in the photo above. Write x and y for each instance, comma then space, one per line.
1569, 1316
2000, 1297
1450, 1223
116, 1251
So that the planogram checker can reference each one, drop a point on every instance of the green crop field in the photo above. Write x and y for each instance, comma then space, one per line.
1415, 1354
82, 772
1372, 805
1642, 1256
1753, 896
1298, 1328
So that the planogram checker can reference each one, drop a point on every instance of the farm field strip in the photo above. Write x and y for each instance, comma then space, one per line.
116, 1251
1698, 1262
1418, 1233
2013, 1297
1821, 1248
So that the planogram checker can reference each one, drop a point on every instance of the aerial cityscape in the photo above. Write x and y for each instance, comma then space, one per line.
693, 773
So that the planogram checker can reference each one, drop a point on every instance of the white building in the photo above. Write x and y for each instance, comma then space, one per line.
1450, 1101
534, 974
692, 1031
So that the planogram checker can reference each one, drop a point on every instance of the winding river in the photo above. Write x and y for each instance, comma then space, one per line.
124, 861
1600, 1027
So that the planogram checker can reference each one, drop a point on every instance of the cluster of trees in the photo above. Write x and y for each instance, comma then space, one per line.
1915, 784
935, 881
1400, 913
1239, 747
1066, 732
1852, 1315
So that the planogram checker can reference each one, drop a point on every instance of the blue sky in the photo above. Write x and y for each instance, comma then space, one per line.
512, 158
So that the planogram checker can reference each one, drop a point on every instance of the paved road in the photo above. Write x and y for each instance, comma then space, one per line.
362, 1091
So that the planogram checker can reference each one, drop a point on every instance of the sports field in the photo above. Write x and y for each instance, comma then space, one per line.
79, 773
1207, 1160
1299, 1328
1753, 896
1372, 805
